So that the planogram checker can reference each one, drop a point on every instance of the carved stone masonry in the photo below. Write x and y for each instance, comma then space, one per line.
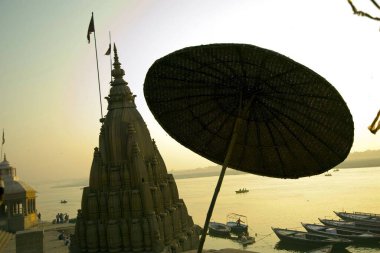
131, 204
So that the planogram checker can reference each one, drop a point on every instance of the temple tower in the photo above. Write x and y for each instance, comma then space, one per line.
18, 211
131, 204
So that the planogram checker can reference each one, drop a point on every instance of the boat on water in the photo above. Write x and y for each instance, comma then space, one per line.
363, 218
353, 225
238, 223
353, 235
63, 201
324, 249
246, 240
242, 190
219, 229
310, 239
328, 174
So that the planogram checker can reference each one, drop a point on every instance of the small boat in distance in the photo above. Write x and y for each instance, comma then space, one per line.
63, 201
219, 229
335, 170
310, 239
353, 235
328, 175
242, 190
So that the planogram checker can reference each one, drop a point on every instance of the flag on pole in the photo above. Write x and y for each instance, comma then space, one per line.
375, 126
109, 50
2, 143
91, 28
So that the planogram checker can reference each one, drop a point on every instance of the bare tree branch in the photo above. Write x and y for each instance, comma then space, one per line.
375, 3
362, 13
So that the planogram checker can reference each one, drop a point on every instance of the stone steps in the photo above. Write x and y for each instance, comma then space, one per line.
5, 237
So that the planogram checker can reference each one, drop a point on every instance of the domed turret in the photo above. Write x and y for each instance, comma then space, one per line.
18, 211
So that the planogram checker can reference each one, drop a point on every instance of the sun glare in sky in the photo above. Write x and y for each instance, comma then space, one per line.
49, 100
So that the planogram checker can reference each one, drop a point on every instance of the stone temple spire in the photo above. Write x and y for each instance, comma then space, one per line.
131, 204
120, 94
117, 72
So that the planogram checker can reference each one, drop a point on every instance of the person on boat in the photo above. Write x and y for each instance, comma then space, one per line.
238, 221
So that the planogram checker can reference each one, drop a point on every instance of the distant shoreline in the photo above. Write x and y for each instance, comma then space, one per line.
369, 158
211, 171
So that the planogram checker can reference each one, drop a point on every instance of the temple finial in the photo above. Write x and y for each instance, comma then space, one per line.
120, 95
116, 57
117, 71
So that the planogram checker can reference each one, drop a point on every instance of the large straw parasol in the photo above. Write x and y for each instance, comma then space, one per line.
250, 109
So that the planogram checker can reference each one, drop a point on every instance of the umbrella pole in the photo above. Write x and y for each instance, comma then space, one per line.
231, 146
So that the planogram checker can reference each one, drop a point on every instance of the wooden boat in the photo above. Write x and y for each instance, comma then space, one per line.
353, 225
306, 238
238, 223
246, 240
63, 201
328, 175
363, 218
243, 190
219, 229
353, 235
324, 249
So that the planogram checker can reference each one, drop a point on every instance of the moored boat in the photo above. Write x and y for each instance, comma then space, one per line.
364, 218
238, 223
306, 238
219, 229
246, 240
353, 235
351, 225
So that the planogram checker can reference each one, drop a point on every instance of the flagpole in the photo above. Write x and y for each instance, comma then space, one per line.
2, 144
110, 56
97, 67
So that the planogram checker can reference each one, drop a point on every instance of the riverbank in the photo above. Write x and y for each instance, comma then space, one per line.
53, 245
51, 242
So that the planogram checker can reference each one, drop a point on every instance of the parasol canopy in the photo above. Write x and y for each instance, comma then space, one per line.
289, 121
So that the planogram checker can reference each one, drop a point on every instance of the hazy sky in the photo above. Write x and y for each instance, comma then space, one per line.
49, 102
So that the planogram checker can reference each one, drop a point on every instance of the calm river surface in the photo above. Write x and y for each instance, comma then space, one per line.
269, 202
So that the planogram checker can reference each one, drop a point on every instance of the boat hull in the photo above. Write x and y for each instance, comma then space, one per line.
219, 229
237, 228
353, 235
361, 218
242, 191
351, 225
309, 239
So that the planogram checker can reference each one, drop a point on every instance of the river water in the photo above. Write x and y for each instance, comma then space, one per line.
269, 202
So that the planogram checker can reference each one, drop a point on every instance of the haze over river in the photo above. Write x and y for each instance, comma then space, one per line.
269, 203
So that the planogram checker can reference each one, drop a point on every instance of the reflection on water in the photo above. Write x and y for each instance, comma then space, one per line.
286, 247
270, 202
